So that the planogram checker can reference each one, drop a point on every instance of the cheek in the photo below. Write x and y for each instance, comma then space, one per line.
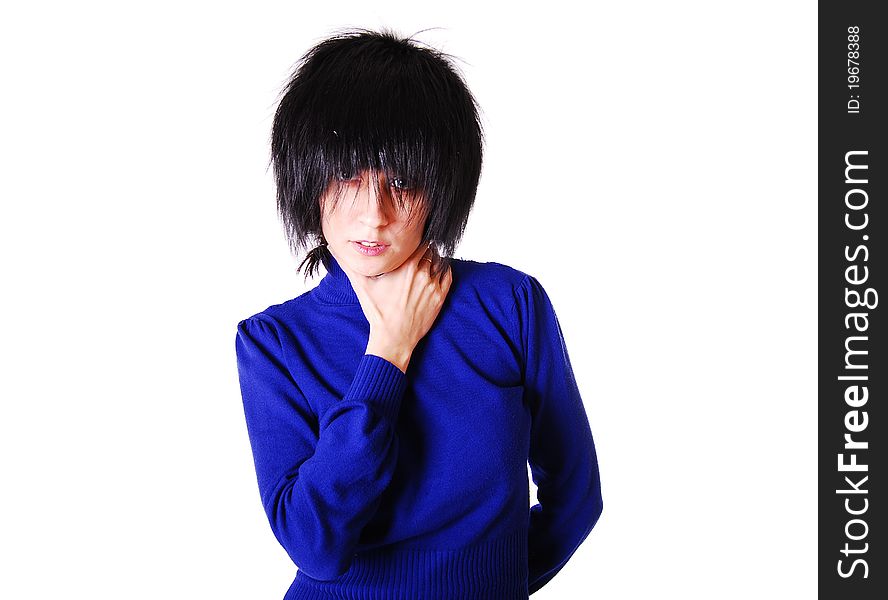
325, 224
333, 221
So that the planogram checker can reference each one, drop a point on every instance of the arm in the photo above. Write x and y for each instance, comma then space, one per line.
320, 477
562, 454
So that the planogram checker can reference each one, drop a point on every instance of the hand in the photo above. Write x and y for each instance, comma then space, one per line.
402, 305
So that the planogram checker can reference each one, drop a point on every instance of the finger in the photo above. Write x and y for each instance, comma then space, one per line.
446, 276
421, 250
440, 270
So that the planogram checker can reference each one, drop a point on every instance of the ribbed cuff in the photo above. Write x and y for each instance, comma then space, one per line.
380, 384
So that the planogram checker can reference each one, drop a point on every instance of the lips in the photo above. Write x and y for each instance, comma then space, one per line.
369, 250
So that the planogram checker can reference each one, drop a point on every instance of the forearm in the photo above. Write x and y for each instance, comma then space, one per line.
320, 476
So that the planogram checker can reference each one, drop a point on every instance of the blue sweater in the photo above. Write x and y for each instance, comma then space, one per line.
381, 484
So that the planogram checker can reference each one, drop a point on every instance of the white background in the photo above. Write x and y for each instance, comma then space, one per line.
653, 164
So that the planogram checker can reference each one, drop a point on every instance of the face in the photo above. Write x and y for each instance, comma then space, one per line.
367, 210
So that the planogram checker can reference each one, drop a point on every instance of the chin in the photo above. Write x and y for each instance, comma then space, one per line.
366, 268
366, 265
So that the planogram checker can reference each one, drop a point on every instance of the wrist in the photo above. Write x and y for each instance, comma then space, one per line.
396, 354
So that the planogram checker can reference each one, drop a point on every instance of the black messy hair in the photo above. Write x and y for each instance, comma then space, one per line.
366, 100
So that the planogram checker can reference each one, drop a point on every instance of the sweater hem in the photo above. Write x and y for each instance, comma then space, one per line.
491, 570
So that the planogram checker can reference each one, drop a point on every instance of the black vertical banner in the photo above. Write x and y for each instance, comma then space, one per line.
852, 366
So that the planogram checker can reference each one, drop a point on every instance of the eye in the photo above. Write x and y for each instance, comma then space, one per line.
400, 183
346, 174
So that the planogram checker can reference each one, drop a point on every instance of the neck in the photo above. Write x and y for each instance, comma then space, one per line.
335, 287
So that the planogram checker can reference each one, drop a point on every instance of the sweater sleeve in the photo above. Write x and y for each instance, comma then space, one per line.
562, 457
320, 477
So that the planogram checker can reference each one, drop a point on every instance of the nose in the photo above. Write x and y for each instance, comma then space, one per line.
374, 202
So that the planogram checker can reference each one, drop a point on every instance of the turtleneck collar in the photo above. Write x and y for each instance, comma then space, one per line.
335, 287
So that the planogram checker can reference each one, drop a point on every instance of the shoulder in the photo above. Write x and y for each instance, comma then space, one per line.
497, 289
517, 293
497, 282
487, 277
273, 316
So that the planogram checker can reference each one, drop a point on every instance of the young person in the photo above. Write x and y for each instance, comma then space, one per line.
393, 409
